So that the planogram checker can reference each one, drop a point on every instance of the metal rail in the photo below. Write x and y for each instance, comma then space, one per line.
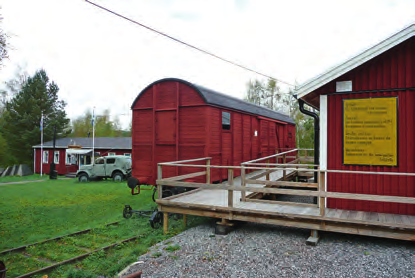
48, 268
52, 239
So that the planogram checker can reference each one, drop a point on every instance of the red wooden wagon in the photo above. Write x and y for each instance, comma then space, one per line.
176, 120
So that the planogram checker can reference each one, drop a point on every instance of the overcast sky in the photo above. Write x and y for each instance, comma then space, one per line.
100, 60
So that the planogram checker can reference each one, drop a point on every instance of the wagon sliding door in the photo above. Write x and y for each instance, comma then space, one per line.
226, 119
165, 139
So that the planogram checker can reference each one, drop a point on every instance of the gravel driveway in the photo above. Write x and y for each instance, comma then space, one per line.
258, 250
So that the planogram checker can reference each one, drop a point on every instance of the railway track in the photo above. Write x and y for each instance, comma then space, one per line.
52, 264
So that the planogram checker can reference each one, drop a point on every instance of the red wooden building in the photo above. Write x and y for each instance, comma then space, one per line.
177, 120
68, 160
385, 72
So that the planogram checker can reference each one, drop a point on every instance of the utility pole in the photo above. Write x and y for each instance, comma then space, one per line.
52, 173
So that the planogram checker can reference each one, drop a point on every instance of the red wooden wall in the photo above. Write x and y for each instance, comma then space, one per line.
172, 122
62, 167
393, 69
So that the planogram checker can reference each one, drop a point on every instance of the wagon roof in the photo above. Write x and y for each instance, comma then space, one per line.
110, 143
223, 100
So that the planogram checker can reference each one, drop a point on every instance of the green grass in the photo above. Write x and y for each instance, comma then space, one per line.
36, 211
25, 178
172, 248
32, 212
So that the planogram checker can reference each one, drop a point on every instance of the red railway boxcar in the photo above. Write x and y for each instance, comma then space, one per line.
367, 124
177, 120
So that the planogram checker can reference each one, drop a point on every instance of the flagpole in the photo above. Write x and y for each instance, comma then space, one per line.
93, 136
41, 145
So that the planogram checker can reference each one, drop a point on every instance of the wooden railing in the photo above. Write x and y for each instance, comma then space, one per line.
319, 187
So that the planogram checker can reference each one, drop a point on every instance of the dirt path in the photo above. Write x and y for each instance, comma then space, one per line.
17, 182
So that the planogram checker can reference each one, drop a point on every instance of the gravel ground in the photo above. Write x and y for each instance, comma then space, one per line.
257, 250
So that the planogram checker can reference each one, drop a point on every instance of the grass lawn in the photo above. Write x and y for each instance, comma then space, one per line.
32, 212
25, 178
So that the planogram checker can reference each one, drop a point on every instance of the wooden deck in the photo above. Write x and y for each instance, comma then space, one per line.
228, 204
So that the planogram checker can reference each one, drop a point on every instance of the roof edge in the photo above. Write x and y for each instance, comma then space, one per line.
168, 79
199, 89
338, 70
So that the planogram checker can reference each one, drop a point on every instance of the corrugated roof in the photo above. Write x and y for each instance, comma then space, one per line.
226, 101
114, 143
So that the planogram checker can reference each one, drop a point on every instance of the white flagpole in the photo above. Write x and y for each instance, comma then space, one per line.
93, 136
41, 145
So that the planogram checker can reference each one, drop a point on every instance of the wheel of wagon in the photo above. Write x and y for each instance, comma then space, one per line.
83, 177
154, 194
167, 193
156, 220
127, 212
117, 177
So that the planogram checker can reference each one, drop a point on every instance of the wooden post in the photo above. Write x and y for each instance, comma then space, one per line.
298, 161
284, 172
230, 192
159, 177
267, 176
208, 171
322, 188
243, 183
184, 220
165, 222
305, 154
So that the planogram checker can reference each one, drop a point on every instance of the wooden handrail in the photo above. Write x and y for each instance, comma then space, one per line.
292, 169
184, 161
370, 173
336, 195
240, 167
270, 156
187, 176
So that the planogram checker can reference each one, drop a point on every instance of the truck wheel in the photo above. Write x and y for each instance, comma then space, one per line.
118, 177
83, 177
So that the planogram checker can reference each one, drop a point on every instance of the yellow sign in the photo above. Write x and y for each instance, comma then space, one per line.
370, 131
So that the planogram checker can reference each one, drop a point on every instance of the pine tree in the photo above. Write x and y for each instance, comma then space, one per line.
21, 127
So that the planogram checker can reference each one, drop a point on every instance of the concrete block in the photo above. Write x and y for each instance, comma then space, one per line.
24, 170
7, 171
14, 170
313, 239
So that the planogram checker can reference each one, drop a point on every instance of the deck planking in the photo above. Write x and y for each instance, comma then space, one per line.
219, 199
214, 203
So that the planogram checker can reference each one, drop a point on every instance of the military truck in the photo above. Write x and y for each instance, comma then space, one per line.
117, 167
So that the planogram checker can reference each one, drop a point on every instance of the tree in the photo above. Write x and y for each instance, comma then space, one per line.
266, 94
269, 94
3, 45
104, 126
21, 127
12, 87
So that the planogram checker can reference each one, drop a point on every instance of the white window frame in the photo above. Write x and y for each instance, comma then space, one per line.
111, 154
67, 158
45, 157
56, 161
127, 154
70, 158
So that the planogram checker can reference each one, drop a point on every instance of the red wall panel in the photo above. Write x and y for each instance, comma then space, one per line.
392, 69
146, 99
62, 167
